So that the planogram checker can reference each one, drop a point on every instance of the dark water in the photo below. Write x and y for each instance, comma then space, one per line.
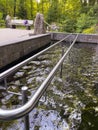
70, 102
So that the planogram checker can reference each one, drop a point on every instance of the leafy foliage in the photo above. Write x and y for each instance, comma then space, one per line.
22, 12
72, 15
89, 30
84, 21
53, 12
72, 8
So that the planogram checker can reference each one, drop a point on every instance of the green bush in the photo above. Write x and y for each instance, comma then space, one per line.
89, 30
2, 22
69, 25
84, 22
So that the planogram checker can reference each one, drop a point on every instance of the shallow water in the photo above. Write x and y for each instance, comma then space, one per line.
70, 102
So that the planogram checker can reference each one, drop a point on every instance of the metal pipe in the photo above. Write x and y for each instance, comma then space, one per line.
24, 100
18, 94
22, 111
6, 73
5, 83
61, 68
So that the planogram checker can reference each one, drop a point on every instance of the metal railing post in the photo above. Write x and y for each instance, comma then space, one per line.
61, 68
24, 100
5, 83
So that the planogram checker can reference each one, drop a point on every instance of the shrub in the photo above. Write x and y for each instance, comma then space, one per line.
89, 30
84, 22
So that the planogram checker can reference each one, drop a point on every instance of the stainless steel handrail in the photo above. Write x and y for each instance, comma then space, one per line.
6, 73
25, 109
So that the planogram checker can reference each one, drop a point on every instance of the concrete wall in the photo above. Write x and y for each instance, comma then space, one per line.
91, 38
13, 50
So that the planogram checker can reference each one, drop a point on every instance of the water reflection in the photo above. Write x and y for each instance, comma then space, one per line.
70, 102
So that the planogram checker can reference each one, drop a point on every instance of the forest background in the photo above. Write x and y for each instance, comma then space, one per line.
79, 16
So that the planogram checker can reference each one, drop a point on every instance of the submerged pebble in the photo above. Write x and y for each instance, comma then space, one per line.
62, 105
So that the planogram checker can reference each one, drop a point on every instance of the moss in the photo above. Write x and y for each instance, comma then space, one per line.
5, 125
36, 127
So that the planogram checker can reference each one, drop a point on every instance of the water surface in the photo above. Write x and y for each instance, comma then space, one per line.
71, 100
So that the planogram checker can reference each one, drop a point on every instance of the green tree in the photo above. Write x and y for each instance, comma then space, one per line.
22, 10
72, 8
53, 11
72, 11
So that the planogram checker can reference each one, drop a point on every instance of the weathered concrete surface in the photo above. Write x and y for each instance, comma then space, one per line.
39, 26
8, 34
12, 50
84, 38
